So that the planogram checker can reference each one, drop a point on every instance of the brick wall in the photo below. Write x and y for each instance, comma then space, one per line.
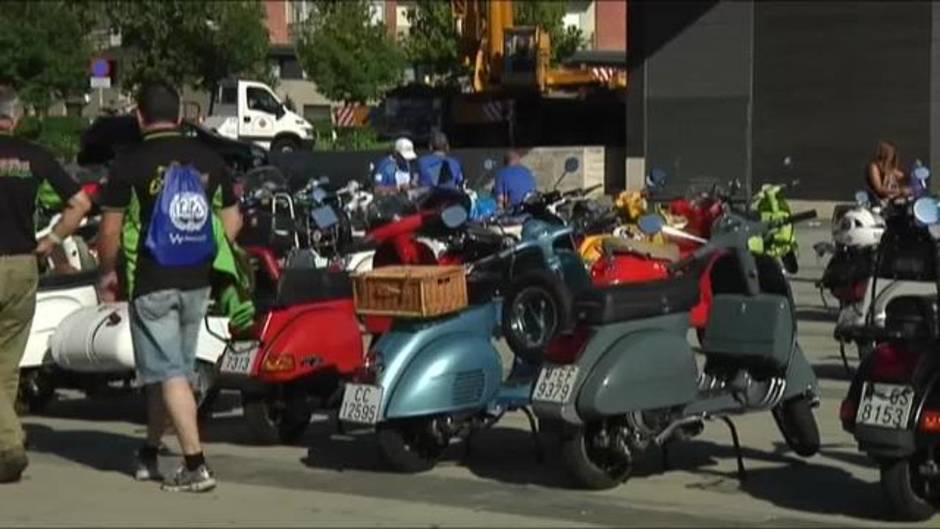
276, 21
610, 25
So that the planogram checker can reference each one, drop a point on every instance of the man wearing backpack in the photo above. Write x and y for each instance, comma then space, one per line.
23, 168
169, 185
437, 169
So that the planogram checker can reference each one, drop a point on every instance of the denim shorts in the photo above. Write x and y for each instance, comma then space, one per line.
165, 330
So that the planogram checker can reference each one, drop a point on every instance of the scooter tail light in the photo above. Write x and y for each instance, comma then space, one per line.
893, 362
567, 348
278, 363
371, 367
930, 421
847, 413
852, 293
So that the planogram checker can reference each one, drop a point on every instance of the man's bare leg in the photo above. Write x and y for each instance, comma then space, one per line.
181, 405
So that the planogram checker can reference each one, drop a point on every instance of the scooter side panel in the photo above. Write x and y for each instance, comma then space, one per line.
418, 358
452, 373
646, 369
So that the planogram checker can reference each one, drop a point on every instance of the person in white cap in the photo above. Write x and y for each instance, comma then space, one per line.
394, 172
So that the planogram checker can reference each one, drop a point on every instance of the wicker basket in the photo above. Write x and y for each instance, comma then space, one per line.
411, 291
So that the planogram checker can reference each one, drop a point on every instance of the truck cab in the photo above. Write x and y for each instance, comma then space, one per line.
250, 111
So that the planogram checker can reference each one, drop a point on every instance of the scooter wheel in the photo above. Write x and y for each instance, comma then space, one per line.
905, 489
590, 466
798, 426
536, 308
272, 420
408, 446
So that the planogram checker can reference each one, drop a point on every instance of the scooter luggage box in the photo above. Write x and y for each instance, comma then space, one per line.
758, 328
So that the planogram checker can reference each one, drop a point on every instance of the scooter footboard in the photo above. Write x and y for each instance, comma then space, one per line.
644, 370
450, 374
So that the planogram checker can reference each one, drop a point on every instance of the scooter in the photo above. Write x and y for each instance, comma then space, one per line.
283, 375
625, 378
893, 404
427, 382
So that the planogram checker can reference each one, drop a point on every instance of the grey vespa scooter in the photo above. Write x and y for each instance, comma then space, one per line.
626, 378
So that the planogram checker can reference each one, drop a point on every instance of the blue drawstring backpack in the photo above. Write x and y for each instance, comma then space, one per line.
180, 232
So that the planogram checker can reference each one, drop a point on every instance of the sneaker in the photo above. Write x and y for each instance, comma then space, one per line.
147, 469
12, 464
199, 480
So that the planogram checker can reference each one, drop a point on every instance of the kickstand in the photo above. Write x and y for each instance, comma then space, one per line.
539, 451
664, 453
742, 473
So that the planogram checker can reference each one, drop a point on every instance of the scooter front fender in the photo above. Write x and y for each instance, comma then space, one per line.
455, 372
646, 369
801, 379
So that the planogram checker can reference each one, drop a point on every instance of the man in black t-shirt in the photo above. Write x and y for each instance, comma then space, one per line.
23, 167
167, 304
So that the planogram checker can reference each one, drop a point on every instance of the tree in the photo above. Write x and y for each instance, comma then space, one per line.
191, 42
349, 56
45, 49
433, 42
550, 16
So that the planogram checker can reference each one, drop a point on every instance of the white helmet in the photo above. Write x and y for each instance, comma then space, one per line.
858, 227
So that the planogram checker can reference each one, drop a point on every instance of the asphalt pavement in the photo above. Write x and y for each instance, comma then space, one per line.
81, 454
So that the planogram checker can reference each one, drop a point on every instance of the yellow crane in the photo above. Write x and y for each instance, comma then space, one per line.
505, 56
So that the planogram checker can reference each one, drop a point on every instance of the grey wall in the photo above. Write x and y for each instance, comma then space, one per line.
697, 88
830, 79
731, 88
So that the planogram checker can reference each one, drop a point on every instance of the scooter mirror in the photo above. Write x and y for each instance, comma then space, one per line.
454, 216
861, 198
925, 211
489, 164
651, 224
571, 164
922, 173
656, 179
787, 162
323, 180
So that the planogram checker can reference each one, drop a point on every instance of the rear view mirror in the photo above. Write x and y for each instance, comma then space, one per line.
925, 211
656, 178
323, 180
324, 217
921, 173
572, 164
787, 162
651, 224
454, 216
489, 164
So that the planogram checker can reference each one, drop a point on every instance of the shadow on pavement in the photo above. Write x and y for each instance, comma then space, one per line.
104, 451
816, 314
833, 371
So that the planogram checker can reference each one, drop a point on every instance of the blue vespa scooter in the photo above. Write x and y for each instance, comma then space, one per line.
427, 382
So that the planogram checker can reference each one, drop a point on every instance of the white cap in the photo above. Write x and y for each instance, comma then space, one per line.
405, 148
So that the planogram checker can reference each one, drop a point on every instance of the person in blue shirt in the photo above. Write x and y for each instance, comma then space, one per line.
395, 172
437, 169
513, 182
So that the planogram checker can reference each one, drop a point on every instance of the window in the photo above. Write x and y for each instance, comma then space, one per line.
317, 113
261, 100
229, 95
289, 68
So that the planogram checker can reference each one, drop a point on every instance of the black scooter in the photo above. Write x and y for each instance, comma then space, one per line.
893, 405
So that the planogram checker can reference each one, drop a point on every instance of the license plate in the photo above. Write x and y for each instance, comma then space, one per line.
239, 357
555, 384
361, 404
885, 405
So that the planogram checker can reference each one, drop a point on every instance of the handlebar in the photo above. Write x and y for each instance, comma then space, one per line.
792, 219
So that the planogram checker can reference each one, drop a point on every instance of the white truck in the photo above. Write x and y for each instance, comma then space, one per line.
250, 111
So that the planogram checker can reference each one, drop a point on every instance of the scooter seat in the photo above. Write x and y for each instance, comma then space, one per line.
299, 286
633, 301
664, 252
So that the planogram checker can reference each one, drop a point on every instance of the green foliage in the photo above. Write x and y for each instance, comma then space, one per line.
61, 135
44, 48
348, 139
433, 44
346, 54
550, 16
190, 42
